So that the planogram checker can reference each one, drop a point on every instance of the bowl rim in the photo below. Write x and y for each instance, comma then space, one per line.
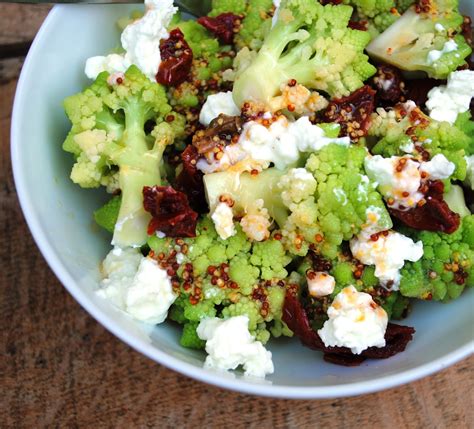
140, 345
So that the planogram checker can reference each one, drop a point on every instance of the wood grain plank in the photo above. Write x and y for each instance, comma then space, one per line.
60, 368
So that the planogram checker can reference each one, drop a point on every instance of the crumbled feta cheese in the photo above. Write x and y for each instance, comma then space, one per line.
160, 234
141, 41
215, 104
150, 295
355, 321
119, 269
439, 27
256, 222
388, 252
113, 63
282, 142
230, 344
301, 99
438, 167
136, 285
470, 171
445, 102
400, 186
320, 283
435, 55
223, 219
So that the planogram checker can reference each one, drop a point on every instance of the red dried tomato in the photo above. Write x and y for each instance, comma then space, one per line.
294, 315
434, 215
358, 25
352, 112
176, 59
189, 180
389, 84
223, 26
170, 210
417, 90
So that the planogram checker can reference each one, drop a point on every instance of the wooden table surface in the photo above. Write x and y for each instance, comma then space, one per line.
60, 368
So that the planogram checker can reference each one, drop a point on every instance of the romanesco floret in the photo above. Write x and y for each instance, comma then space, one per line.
379, 14
338, 207
107, 215
237, 7
223, 278
255, 25
446, 267
108, 129
312, 44
425, 38
189, 337
406, 125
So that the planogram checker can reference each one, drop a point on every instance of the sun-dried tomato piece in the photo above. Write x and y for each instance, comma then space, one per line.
171, 212
352, 112
296, 319
396, 339
434, 215
176, 59
417, 89
294, 315
223, 26
358, 25
189, 180
389, 84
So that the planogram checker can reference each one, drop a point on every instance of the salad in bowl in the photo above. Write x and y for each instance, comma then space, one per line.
294, 168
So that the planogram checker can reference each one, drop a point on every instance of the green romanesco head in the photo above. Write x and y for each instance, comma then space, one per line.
446, 267
312, 44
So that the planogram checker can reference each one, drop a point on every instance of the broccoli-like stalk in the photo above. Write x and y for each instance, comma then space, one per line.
446, 266
312, 44
244, 189
425, 38
108, 130
407, 129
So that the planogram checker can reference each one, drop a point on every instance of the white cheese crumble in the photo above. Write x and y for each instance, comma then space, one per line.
141, 42
280, 143
230, 344
355, 321
256, 222
445, 102
215, 104
388, 253
137, 285
150, 295
320, 283
399, 178
223, 219
400, 186
435, 55
438, 167
439, 27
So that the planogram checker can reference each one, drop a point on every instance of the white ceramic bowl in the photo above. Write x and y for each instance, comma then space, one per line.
59, 216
